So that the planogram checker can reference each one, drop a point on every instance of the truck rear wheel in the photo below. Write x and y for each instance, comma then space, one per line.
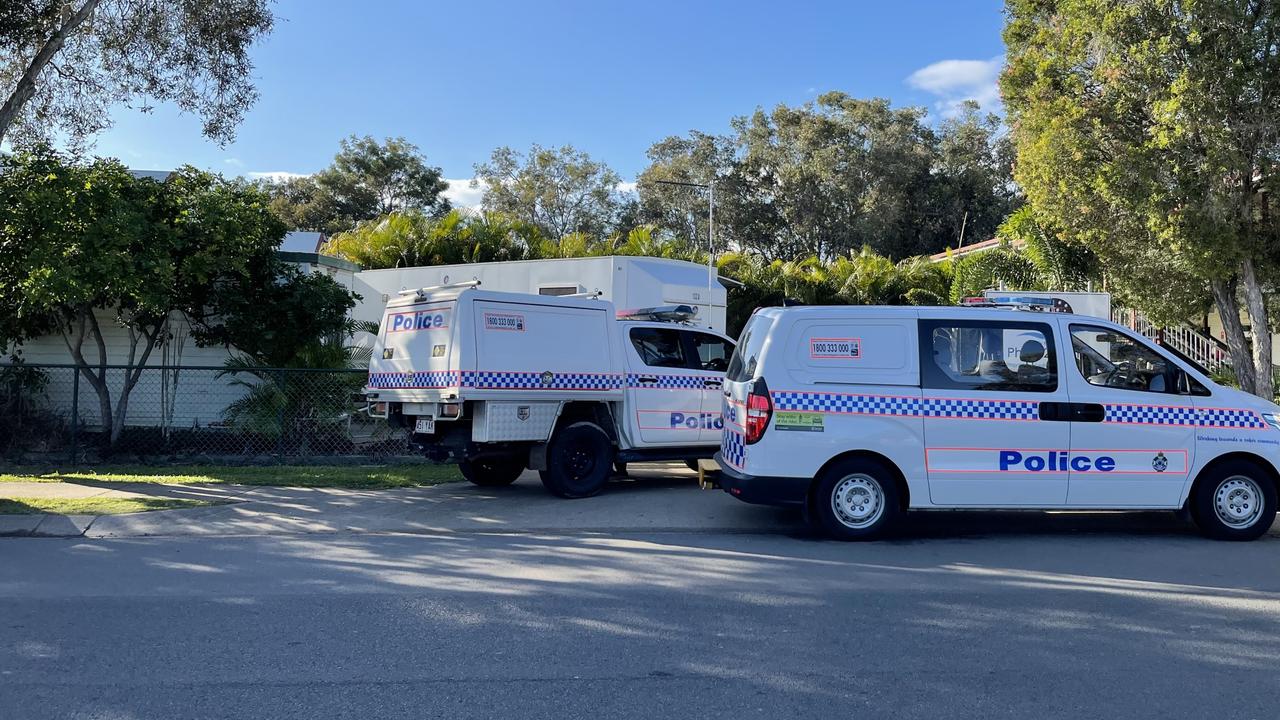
492, 470
579, 458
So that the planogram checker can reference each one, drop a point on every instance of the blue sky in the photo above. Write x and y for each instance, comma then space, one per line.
461, 78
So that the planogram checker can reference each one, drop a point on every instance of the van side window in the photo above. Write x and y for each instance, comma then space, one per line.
659, 347
1108, 358
710, 352
987, 356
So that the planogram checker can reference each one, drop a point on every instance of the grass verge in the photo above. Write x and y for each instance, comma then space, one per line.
95, 505
320, 476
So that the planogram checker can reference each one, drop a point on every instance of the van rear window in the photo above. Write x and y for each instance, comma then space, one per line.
742, 366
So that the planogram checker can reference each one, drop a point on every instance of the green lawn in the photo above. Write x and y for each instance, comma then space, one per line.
335, 476
95, 505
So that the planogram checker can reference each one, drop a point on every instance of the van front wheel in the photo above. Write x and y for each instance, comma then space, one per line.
855, 499
1235, 500
579, 458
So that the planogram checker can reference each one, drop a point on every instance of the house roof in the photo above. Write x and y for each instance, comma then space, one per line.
960, 252
302, 241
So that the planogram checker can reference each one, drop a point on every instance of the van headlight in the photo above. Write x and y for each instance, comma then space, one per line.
1273, 419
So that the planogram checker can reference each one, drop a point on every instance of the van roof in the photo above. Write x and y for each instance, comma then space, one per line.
921, 311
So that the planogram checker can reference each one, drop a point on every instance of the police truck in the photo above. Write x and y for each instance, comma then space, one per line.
565, 385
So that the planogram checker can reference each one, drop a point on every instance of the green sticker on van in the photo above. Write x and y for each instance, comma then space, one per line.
799, 421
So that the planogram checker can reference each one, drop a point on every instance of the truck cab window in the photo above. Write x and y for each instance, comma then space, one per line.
981, 355
1107, 358
710, 352
659, 347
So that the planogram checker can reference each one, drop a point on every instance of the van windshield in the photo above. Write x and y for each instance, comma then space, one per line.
742, 366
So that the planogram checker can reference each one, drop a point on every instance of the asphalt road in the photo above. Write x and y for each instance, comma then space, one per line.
972, 615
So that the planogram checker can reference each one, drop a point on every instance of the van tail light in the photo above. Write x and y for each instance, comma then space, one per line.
759, 411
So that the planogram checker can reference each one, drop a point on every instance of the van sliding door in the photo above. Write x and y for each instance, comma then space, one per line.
987, 441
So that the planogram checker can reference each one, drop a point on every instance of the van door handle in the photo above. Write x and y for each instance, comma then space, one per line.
711, 383
647, 379
1072, 412
1089, 412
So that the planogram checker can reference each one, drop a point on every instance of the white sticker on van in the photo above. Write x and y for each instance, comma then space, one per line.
504, 321
835, 348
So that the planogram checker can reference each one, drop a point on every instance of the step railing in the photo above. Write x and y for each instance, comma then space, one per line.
1184, 338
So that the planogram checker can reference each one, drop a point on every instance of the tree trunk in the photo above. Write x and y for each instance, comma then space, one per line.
1224, 298
26, 87
1264, 377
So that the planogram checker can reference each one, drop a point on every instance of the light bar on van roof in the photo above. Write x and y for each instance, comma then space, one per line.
1017, 302
662, 313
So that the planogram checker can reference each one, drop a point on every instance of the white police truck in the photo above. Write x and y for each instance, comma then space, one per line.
857, 414
567, 386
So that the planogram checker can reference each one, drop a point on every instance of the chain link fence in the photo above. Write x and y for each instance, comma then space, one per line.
55, 413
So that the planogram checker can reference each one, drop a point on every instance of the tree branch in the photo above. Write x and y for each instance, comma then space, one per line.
26, 87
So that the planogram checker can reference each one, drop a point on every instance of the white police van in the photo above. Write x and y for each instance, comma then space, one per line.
568, 386
859, 413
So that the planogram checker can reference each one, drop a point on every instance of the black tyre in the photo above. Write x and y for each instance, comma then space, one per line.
492, 470
855, 499
579, 459
1234, 500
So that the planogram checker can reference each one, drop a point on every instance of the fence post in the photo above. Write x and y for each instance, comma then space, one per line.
280, 379
75, 411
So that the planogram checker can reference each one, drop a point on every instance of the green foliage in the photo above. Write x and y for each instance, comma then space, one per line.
1145, 131
835, 175
296, 405
559, 191
862, 278
65, 65
411, 239
366, 181
80, 241
274, 314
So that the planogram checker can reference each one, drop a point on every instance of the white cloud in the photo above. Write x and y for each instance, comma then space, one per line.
234, 162
276, 175
626, 188
955, 81
462, 195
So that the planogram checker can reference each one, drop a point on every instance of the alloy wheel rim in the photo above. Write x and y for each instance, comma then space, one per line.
1238, 502
857, 501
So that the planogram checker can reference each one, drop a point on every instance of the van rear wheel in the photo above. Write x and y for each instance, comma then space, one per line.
855, 499
1235, 500
492, 470
579, 458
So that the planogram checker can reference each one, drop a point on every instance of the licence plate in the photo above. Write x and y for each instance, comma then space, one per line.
425, 425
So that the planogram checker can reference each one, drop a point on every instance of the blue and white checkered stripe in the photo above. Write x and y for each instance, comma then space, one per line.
981, 409
840, 403
845, 404
1231, 418
511, 380
413, 380
733, 448
1151, 415
666, 382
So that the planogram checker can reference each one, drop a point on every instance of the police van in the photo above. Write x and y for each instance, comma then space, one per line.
857, 414
568, 386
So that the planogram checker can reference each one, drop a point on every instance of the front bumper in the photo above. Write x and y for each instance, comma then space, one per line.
761, 490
